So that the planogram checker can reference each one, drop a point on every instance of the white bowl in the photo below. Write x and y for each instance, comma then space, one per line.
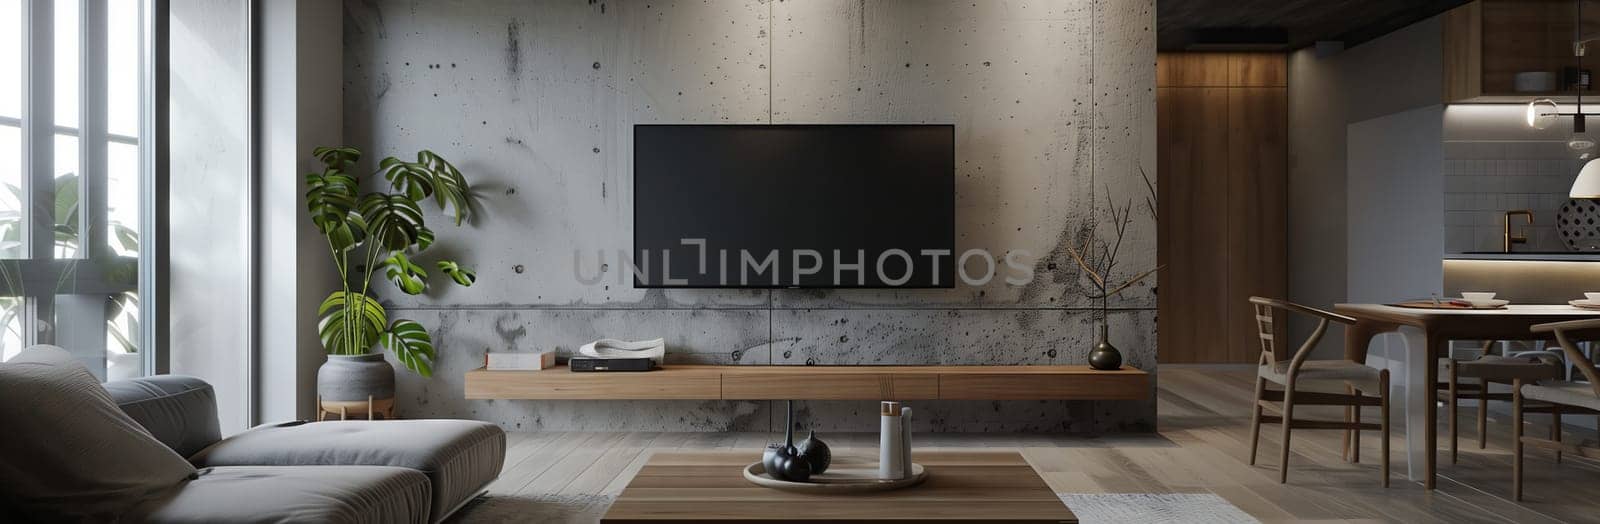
1594, 298
1477, 298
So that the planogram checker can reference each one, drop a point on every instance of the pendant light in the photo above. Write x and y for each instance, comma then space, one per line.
1588, 183
1544, 112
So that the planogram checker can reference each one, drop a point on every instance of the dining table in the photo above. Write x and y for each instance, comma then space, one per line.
1426, 334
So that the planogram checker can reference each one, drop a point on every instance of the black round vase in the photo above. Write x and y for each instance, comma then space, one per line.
815, 452
780, 460
769, 457
793, 469
1105, 356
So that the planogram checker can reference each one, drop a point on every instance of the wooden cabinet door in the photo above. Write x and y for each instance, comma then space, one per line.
1223, 171
1192, 140
1258, 151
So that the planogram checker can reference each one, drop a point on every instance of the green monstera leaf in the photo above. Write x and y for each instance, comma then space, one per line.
424, 239
405, 274
331, 200
394, 220
431, 175
450, 188
413, 179
410, 343
351, 322
342, 158
459, 274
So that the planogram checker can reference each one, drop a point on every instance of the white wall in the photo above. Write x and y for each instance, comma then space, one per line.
208, 200
301, 82
1392, 74
1395, 208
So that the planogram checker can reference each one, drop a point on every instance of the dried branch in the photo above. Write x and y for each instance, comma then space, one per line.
1120, 222
1134, 280
1150, 200
1107, 259
1121, 217
1098, 281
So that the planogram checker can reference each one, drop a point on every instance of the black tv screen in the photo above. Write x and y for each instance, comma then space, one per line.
807, 206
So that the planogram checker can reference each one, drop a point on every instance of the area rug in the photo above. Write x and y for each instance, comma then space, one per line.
1091, 508
508, 509
1150, 508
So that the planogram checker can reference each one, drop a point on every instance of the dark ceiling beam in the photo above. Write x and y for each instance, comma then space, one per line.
1180, 24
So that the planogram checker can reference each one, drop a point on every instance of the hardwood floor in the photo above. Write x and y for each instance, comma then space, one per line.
1201, 447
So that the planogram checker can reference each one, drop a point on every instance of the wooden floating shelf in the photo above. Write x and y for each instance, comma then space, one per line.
758, 382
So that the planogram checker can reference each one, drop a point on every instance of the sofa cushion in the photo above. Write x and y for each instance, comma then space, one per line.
263, 494
178, 410
69, 453
460, 457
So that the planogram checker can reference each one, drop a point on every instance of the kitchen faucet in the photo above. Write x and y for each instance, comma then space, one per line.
1507, 238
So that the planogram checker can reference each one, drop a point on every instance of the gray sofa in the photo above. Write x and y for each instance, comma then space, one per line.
416, 471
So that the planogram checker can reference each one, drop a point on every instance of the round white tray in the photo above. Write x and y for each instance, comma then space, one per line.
849, 476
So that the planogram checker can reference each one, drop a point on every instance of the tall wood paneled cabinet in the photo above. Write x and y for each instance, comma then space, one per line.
1223, 165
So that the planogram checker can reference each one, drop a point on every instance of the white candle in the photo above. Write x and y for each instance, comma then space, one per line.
891, 442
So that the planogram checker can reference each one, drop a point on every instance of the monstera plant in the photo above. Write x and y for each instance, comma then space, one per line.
381, 231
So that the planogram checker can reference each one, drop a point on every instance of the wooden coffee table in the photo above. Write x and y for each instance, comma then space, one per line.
962, 486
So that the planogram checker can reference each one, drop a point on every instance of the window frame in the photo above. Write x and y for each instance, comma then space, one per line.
73, 291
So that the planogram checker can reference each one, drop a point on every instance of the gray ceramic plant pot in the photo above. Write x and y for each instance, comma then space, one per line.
355, 378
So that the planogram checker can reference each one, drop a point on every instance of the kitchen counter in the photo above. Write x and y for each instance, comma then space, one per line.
1558, 256
1523, 278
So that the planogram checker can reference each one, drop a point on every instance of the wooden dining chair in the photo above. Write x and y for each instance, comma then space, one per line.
1556, 397
1487, 369
1312, 382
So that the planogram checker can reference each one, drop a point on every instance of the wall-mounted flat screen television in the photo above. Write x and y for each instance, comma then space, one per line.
803, 206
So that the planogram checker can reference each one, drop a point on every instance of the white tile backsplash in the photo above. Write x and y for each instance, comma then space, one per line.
1485, 178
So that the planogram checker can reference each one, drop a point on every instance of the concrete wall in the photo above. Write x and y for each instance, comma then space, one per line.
1054, 109
1388, 75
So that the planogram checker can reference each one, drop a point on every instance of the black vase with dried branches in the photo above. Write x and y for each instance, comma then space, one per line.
1098, 259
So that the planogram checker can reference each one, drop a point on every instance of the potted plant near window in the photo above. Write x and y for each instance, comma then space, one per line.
368, 232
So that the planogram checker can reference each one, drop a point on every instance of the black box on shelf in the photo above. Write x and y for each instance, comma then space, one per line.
586, 364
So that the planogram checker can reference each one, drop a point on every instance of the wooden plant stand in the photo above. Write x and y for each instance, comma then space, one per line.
342, 408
